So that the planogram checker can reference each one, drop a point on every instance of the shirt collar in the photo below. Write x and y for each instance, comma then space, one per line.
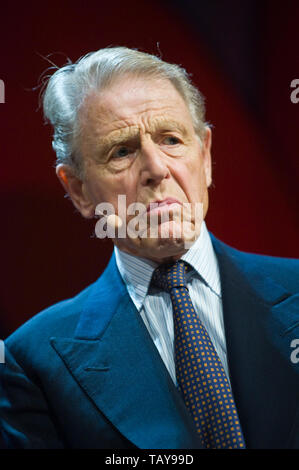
137, 272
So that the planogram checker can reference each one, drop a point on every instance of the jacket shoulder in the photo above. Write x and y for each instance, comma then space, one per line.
59, 320
283, 271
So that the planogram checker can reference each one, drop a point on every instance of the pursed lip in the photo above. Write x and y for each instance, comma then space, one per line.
168, 200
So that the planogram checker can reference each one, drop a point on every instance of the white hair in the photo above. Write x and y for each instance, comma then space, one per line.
69, 86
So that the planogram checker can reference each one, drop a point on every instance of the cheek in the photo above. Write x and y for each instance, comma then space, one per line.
191, 179
107, 188
99, 189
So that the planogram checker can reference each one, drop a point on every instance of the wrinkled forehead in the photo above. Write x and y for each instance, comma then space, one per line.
132, 101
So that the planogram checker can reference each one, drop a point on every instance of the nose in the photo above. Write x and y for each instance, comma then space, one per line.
153, 165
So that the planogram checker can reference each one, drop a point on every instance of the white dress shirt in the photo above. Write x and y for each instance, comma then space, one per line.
155, 306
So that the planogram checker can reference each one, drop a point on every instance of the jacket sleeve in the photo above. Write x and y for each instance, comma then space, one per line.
25, 418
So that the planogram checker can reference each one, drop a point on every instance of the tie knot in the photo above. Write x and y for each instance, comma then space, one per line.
170, 275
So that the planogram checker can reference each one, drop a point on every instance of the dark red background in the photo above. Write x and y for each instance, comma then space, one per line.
48, 251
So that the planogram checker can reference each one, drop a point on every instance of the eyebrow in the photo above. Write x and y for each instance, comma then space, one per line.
132, 133
117, 138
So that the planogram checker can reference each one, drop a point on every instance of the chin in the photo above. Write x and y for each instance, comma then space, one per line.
168, 243
158, 249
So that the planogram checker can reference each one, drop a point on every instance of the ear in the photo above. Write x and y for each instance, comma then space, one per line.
74, 186
206, 153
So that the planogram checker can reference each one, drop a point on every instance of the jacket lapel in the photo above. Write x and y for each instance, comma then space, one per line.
116, 362
260, 318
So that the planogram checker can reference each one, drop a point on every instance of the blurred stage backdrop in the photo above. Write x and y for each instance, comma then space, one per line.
243, 56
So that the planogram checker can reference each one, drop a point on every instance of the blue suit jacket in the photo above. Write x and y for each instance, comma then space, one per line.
86, 374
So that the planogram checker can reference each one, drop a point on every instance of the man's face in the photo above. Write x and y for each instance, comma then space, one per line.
138, 140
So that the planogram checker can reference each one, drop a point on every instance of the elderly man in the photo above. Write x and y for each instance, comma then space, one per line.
183, 342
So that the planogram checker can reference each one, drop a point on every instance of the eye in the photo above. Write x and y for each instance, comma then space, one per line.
121, 152
171, 140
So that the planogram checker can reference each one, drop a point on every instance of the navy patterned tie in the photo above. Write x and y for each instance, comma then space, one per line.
200, 374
